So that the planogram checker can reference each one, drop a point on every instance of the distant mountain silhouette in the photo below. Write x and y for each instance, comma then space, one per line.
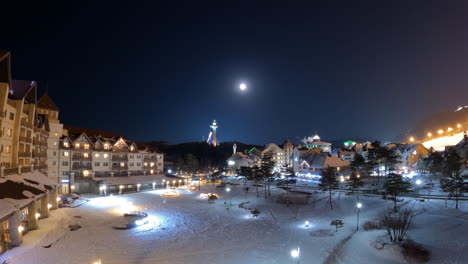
208, 156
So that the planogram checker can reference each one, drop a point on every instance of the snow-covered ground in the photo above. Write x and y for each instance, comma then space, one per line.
187, 229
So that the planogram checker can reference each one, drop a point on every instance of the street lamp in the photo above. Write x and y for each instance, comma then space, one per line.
459, 127
429, 134
307, 224
295, 253
440, 131
411, 139
418, 182
230, 196
358, 208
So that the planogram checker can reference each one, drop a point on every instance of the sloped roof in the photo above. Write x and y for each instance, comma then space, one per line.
322, 160
43, 121
46, 102
287, 142
95, 133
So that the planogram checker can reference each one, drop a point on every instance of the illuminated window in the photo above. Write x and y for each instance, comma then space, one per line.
85, 173
55, 134
86, 155
97, 155
77, 145
122, 164
65, 154
86, 146
151, 171
106, 155
146, 164
106, 146
65, 144
131, 148
8, 149
9, 132
152, 164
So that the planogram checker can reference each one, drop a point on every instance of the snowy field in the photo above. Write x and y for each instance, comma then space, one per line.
187, 229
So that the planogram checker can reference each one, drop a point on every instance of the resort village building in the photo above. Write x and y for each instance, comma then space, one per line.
26, 193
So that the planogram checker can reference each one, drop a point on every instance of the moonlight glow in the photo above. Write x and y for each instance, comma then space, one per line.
242, 86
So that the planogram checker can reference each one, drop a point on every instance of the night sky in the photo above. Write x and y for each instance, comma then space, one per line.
158, 72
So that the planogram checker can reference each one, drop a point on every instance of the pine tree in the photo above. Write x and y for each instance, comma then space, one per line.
394, 185
355, 182
454, 183
328, 182
266, 172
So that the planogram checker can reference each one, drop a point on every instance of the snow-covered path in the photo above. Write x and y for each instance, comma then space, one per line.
193, 231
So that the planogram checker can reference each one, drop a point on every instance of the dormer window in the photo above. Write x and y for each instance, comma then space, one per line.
86, 146
86, 155
65, 144
77, 145
106, 146
131, 148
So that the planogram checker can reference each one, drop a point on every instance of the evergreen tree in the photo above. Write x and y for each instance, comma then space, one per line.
454, 183
355, 182
247, 173
359, 163
394, 185
266, 172
328, 182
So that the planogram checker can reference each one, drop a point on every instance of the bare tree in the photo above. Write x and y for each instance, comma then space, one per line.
397, 224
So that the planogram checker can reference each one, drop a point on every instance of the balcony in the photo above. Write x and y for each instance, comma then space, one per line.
25, 139
24, 154
10, 171
44, 133
119, 167
119, 158
81, 157
40, 143
81, 167
39, 155
26, 124
40, 167
146, 158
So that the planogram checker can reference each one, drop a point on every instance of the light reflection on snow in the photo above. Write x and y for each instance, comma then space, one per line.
153, 222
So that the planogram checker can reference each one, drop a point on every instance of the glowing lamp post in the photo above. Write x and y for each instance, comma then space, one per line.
295, 254
429, 134
154, 185
230, 196
121, 187
459, 127
411, 139
440, 131
306, 224
358, 208
418, 182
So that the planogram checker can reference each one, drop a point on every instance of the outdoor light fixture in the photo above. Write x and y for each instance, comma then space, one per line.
20, 228
37, 215
418, 182
138, 185
359, 205
429, 134
121, 186
49, 206
411, 139
295, 253
307, 224
58, 199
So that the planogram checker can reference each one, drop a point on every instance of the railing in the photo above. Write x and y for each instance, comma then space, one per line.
40, 167
118, 167
81, 157
26, 124
40, 143
119, 158
149, 159
39, 155
26, 169
44, 133
81, 167
24, 154
10, 171
25, 139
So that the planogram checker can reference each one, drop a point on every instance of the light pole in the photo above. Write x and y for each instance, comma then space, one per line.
230, 196
418, 182
295, 253
358, 206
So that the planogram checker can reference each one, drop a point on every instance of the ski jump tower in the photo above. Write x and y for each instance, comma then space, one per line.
212, 140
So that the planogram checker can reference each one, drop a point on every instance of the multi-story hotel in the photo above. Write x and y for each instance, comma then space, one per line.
26, 193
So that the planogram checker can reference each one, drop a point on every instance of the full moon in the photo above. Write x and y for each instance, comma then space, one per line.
242, 86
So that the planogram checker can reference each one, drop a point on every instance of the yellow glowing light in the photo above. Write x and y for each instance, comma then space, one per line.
449, 129
440, 131
121, 186
58, 199
411, 139
38, 215
49, 206
429, 134
459, 125
73, 187
20, 229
